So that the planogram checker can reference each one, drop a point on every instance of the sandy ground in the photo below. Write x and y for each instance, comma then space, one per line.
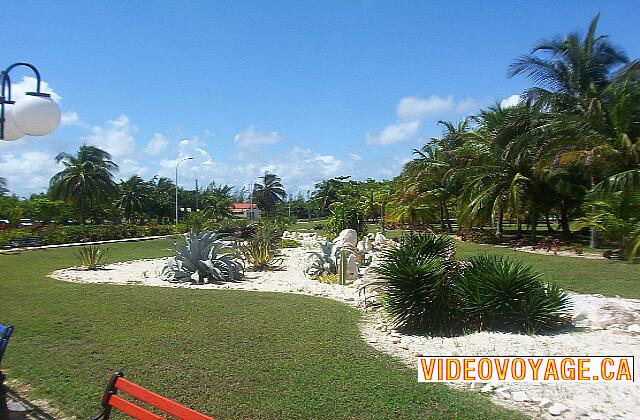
604, 326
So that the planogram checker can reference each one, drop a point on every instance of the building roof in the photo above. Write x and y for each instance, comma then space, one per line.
242, 206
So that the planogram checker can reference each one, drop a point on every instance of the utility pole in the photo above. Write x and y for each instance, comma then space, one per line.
196, 194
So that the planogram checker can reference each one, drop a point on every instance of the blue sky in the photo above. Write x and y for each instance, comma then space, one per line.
308, 90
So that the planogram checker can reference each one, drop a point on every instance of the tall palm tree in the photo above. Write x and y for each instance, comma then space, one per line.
429, 173
499, 176
573, 75
87, 178
3, 186
269, 193
571, 72
133, 197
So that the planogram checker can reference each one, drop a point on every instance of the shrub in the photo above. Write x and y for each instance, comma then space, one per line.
425, 289
319, 226
260, 254
419, 291
497, 293
203, 258
549, 244
327, 278
290, 243
92, 257
347, 218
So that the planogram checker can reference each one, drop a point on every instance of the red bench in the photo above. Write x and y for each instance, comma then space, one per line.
118, 383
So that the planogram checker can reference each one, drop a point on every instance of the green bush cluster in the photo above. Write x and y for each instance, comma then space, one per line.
426, 290
290, 243
56, 234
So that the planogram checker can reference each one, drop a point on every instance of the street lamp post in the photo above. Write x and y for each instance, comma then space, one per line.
34, 114
178, 164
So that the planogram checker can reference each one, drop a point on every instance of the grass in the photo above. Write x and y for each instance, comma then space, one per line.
607, 277
230, 354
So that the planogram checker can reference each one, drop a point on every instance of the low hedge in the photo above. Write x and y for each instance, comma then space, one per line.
55, 234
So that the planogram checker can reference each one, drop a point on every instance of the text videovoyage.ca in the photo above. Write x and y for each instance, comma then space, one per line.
526, 368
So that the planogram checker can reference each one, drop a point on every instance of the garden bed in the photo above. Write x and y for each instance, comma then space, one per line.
603, 326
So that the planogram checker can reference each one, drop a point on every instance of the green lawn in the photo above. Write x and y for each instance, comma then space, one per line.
230, 354
583, 275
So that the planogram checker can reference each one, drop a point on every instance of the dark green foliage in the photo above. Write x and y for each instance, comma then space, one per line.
498, 293
290, 243
346, 217
426, 290
55, 235
419, 292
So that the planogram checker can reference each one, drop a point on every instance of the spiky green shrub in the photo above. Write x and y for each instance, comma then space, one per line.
261, 255
418, 287
425, 289
498, 293
92, 257
203, 258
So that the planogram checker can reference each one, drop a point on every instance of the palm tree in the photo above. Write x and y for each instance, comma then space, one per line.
87, 178
572, 72
499, 176
3, 186
133, 198
269, 193
430, 173
573, 75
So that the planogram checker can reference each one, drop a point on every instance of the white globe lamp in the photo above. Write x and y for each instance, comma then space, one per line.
36, 114
11, 130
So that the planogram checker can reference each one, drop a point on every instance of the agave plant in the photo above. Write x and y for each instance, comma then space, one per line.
203, 258
323, 262
260, 254
497, 293
92, 257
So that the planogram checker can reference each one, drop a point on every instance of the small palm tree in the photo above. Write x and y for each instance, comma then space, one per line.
269, 193
133, 197
87, 178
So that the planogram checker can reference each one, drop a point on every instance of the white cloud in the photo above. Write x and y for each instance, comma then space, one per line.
27, 172
512, 100
130, 167
355, 157
156, 145
28, 84
252, 137
394, 133
415, 108
116, 137
70, 118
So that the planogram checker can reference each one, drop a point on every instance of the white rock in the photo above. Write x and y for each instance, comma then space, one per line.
347, 236
488, 388
380, 239
503, 393
368, 246
520, 396
634, 328
544, 402
557, 408
361, 247
352, 268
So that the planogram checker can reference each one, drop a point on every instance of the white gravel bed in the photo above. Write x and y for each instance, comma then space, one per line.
605, 326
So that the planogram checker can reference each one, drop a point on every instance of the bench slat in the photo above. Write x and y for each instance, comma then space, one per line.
158, 401
132, 409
